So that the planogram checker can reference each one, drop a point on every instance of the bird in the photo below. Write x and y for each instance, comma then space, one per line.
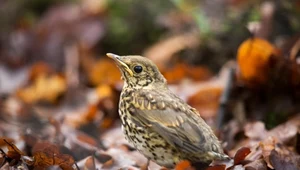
159, 124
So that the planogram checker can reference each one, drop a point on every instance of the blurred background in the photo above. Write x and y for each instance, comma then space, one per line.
197, 32
235, 61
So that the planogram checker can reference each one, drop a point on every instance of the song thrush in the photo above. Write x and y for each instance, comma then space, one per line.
158, 123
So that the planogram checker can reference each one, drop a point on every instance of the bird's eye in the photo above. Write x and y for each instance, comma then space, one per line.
138, 69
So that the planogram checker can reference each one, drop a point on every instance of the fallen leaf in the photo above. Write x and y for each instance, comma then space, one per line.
255, 130
254, 58
4, 140
287, 131
47, 154
267, 146
45, 88
284, 162
184, 165
216, 167
206, 101
175, 74
198, 73
99, 70
83, 117
181, 71
161, 52
38, 69
13, 155
90, 163
259, 164
82, 137
240, 155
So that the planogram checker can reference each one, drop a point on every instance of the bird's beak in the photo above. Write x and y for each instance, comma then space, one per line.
120, 63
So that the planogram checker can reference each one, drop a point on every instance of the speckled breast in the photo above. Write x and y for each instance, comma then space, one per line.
150, 144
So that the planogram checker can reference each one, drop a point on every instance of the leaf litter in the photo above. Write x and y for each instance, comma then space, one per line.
46, 122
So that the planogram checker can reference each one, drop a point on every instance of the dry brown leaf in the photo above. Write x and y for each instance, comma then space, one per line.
216, 167
104, 91
103, 71
45, 88
284, 160
47, 154
198, 73
13, 155
84, 116
206, 101
90, 115
175, 74
38, 69
181, 70
255, 130
259, 164
285, 132
267, 146
161, 52
4, 140
82, 137
89, 163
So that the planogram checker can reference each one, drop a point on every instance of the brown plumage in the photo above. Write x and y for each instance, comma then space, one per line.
158, 123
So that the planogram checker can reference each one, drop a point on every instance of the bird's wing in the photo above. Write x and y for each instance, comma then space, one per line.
179, 124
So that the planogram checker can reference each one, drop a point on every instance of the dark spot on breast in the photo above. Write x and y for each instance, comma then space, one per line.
138, 140
147, 144
158, 146
144, 137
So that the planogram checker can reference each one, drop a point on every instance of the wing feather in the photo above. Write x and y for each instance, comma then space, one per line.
180, 126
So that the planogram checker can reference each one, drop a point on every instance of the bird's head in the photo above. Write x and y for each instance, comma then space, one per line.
138, 71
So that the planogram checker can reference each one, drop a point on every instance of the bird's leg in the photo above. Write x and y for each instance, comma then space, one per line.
148, 163
146, 166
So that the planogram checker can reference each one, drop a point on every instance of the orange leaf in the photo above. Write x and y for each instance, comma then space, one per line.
98, 73
38, 69
184, 165
181, 70
206, 101
198, 73
254, 57
44, 88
